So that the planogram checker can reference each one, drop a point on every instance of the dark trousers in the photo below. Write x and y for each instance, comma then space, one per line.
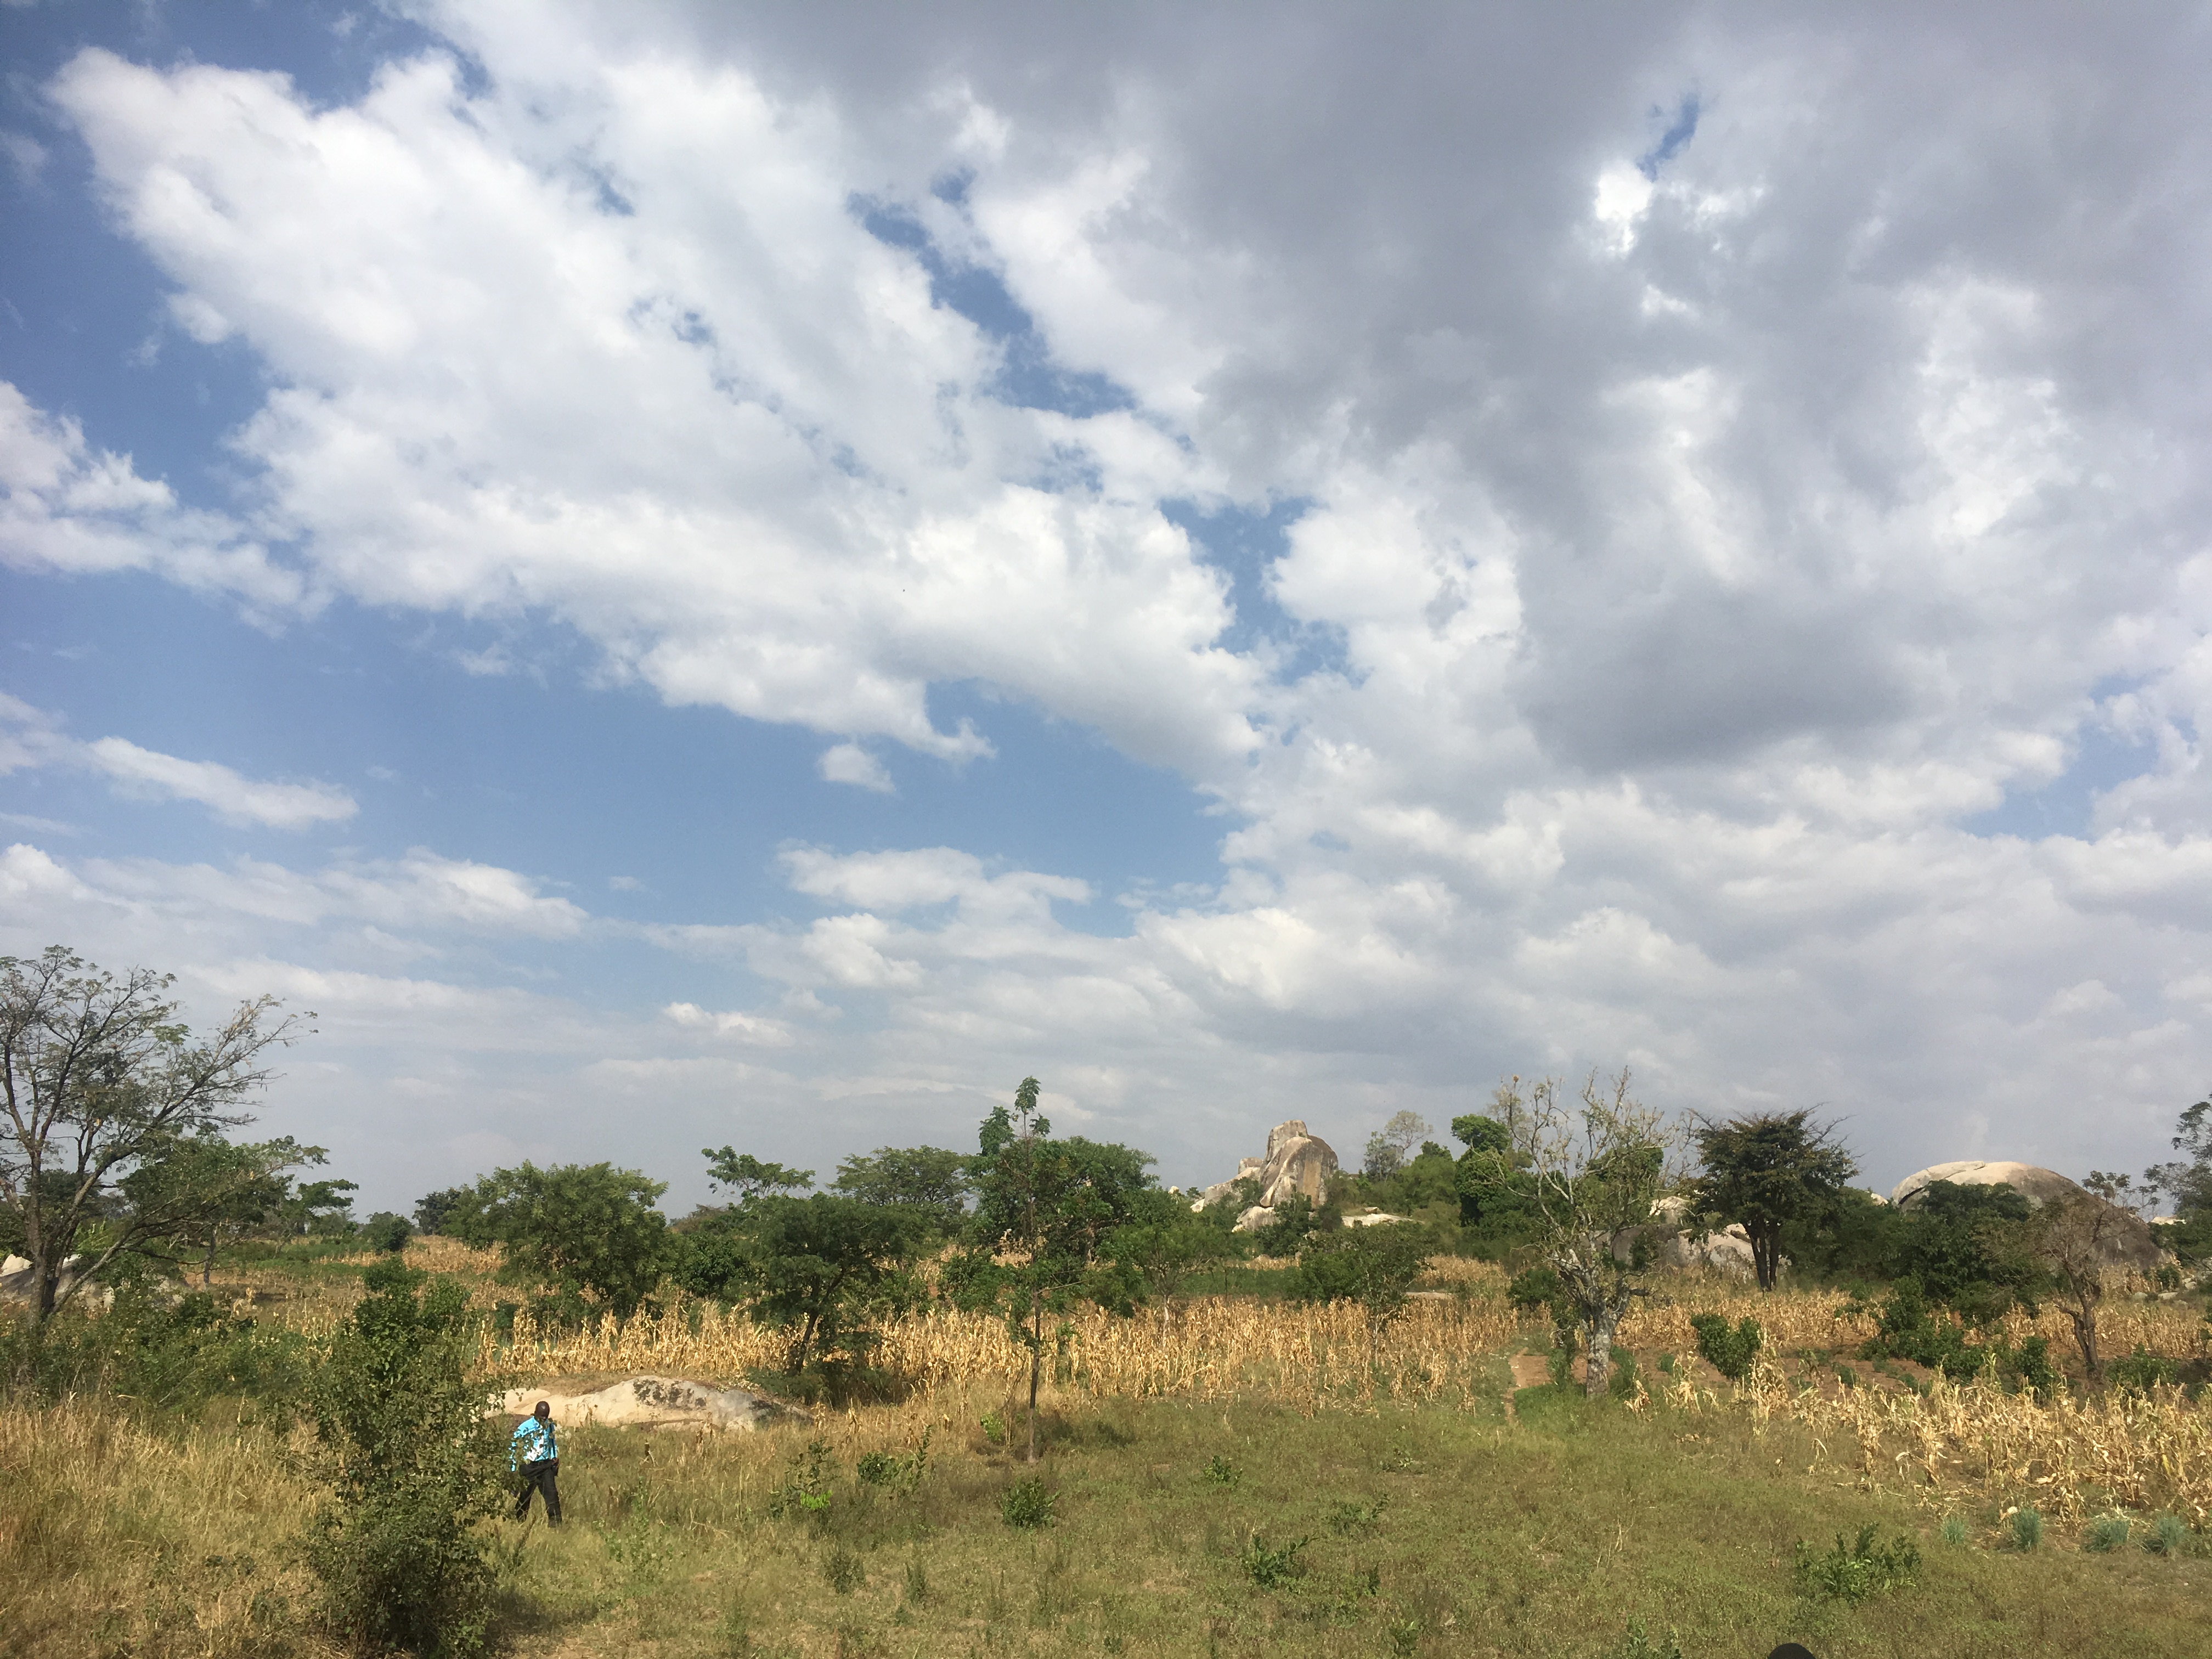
537, 1478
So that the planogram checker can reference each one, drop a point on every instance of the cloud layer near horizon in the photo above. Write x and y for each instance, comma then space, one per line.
1681, 557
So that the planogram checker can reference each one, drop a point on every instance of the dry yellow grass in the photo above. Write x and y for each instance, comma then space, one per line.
117, 1539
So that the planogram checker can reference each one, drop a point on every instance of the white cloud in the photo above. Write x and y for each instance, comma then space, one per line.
31, 738
847, 763
240, 800
1678, 561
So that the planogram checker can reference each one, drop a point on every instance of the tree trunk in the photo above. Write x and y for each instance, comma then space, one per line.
207, 1264
1765, 1252
1597, 1378
2083, 1314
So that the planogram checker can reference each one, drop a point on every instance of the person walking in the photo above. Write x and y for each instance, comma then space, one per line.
535, 1455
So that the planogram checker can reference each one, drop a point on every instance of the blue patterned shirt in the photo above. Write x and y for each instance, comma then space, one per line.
533, 1443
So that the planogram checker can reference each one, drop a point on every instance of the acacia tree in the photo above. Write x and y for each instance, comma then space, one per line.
588, 1231
1596, 1165
99, 1078
1766, 1170
1040, 1217
2068, 1237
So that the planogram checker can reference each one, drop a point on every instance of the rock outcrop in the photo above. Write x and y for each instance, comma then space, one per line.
2131, 1245
1297, 1163
16, 1284
1672, 1243
655, 1402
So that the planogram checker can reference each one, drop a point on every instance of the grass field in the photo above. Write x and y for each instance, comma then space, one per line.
1223, 1481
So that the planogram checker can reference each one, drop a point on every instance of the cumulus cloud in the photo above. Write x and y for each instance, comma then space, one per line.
1686, 529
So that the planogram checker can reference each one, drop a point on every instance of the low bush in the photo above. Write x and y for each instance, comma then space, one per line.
1858, 1568
1640, 1643
1220, 1472
2169, 1535
2105, 1533
1953, 1532
2141, 1371
1028, 1505
1728, 1350
1272, 1569
2026, 1528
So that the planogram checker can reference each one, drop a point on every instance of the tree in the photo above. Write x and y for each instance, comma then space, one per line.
386, 1231
2069, 1236
319, 1207
413, 1451
809, 1261
1390, 1146
2187, 1180
749, 1177
213, 1190
1497, 1194
1597, 1166
1766, 1170
1163, 1245
99, 1076
1042, 1209
930, 1181
588, 1231
1971, 1248
1375, 1266
433, 1210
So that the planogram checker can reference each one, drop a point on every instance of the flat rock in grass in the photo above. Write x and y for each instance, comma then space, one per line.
656, 1403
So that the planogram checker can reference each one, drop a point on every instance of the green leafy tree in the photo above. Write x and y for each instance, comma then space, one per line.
212, 1191
2186, 1182
1375, 1266
432, 1210
586, 1233
930, 1181
1163, 1245
99, 1078
1971, 1248
809, 1262
1043, 1209
1597, 1164
318, 1208
415, 1458
387, 1232
1496, 1192
746, 1177
1766, 1170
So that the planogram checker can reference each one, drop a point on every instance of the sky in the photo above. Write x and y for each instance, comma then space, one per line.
700, 575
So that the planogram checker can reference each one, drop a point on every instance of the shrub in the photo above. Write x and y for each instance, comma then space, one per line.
2169, 1535
2105, 1533
1730, 1352
1856, 1570
995, 1428
2026, 1528
415, 1461
901, 1473
2141, 1371
1638, 1643
1953, 1532
843, 1569
1347, 1519
386, 1232
1027, 1504
1222, 1473
806, 1488
1620, 1382
1272, 1568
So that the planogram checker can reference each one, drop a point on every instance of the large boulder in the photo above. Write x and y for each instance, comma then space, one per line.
1672, 1242
2129, 1244
655, 1402
16, 1284
1297, 1163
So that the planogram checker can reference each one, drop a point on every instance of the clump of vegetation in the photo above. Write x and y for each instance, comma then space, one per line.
2141, 1371
414, 1461
1027, 1504
1271, 1569
901, 1473
1953, 1532
808, 1486
2026, 1528
2169, 1535
1220, 1472
2105, 1533
1728, 1352
1640, 1643
1858, 1568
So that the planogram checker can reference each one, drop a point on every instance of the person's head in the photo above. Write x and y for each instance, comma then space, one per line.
544, 1412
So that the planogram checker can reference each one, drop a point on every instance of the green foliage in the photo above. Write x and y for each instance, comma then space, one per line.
1851, 1237
2105, 1533
414, 1458
994, 1428
2188, 1181
1907, 1327
1164, 1245
1296, 1219
1352, 1520
163, 1352
386, 1232
807, 1266
1857, 1568
587, 1234
1220, 1472
433, 1210
1272, 1569
1640, 1643
1730, 1352
930, 1181
1496, 1189
2141, 1371
808, 1485
1969, 1248
1953, 1532
2169, 1535
1375, 1266
1388, 1147
2026, 1528
1620, 1380
901, 1473
747, 1177
1028, 1505
1765, 1171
